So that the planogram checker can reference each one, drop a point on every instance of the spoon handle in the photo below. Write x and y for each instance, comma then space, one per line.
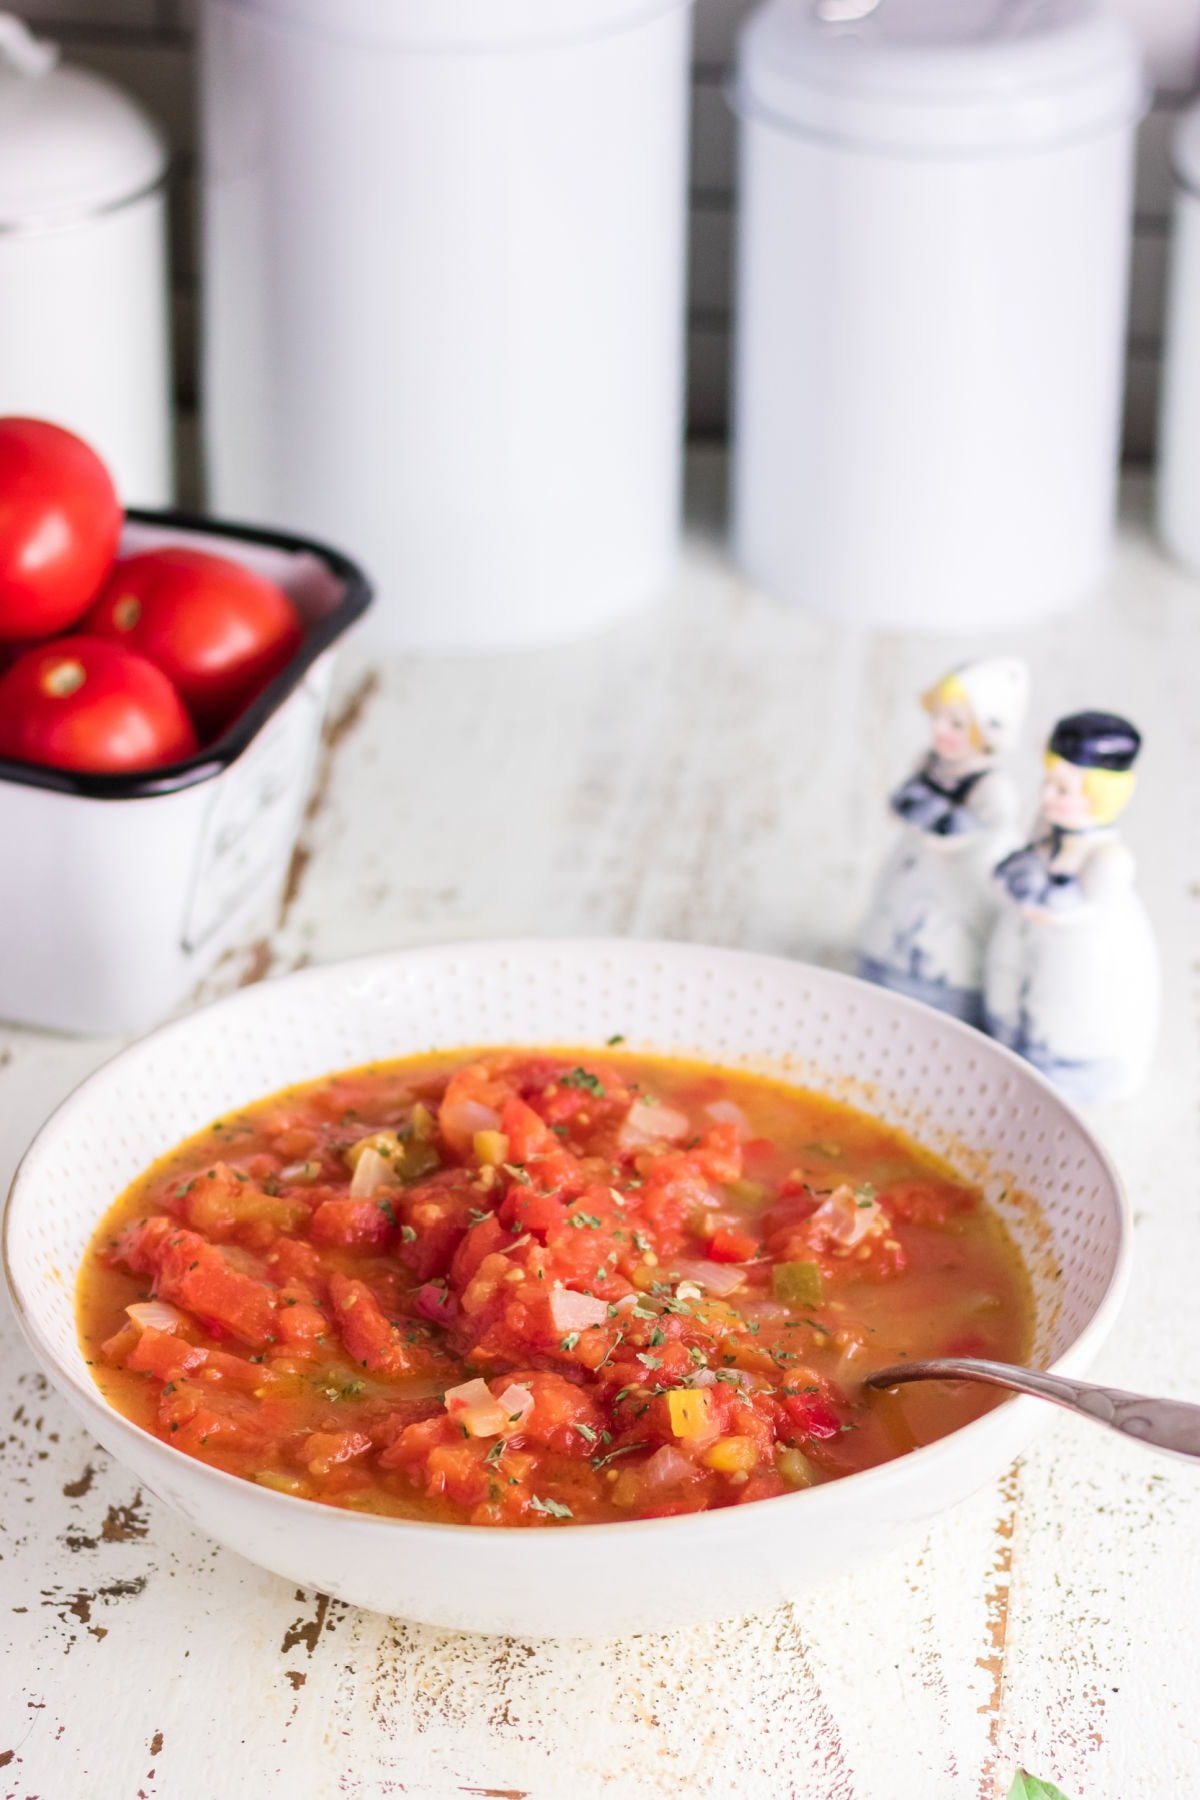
1172, 1425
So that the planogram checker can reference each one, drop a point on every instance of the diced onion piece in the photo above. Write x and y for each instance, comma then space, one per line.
715, 1278
766, 1312
795, 1468
726, 1112
483, 1421
467, 1393
466, 1117
668, 1467
847, 1219
644, 1125
471, 1405
372, 1171
155, 1315
516, 1403
690, 1411
301, 1171
575, 1312
385, 1143
849, 1364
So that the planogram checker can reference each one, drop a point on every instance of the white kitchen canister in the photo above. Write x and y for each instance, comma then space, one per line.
931, 299
84, 331
444, 252
1178, 490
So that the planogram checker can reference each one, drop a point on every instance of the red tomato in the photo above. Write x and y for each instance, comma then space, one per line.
729, 1246
60, 520
79, 703
218, 630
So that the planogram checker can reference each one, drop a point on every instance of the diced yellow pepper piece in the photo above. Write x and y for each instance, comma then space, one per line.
732, 1455
423, 1122
491, 1148
689, 1410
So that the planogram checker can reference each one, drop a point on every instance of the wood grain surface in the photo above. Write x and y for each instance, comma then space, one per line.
715, 771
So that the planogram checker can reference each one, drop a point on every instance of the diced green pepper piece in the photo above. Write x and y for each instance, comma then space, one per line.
420, 1159
798, 1283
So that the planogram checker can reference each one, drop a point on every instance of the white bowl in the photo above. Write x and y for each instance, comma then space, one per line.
961, 1095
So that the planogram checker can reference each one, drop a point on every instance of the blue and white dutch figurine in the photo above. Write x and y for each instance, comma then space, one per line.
1072, 969
934, 904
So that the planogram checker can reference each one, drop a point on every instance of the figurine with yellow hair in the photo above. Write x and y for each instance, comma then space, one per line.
1072, 969
934, 904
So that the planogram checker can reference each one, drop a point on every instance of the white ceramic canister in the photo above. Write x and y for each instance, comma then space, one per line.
1178, 492
931, 298
84, 331
444, 249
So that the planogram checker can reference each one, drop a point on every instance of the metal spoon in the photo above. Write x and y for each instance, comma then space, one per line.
1172, 1425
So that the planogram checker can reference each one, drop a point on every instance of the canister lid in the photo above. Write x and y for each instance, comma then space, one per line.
940, 76
460, 24
71, 144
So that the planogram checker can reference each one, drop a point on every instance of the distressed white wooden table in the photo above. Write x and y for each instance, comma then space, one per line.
715, 771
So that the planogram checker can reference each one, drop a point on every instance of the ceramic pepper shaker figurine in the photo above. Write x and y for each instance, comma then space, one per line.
1072, 969
934, 904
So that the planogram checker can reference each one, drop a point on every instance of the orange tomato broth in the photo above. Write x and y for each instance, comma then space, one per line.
556, 1286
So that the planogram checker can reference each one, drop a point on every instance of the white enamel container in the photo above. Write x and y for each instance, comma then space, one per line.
958, 1092
118, 892
444, 298
1179, 427
935, 207
84, 330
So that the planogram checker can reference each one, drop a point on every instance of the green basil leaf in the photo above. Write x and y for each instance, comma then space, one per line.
1029, 1787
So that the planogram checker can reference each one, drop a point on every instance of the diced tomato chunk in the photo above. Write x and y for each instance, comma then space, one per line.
324, 1450
719, 1153
371, 1340
814, 1416
194, 1274
224, 1203
163, 1354
528, 1134
353, 1224
527, 1209
730, 1246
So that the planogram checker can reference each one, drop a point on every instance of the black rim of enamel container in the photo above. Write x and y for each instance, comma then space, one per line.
216, 757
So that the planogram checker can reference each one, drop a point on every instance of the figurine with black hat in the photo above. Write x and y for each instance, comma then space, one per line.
1072, 978
933, 907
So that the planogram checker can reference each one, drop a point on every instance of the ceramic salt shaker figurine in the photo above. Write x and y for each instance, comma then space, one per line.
934, 903
1072, 969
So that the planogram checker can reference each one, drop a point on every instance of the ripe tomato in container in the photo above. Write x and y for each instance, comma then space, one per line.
134, 883
60, 522
221, 631
80, 703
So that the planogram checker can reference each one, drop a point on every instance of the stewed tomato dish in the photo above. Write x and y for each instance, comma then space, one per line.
522, 1288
